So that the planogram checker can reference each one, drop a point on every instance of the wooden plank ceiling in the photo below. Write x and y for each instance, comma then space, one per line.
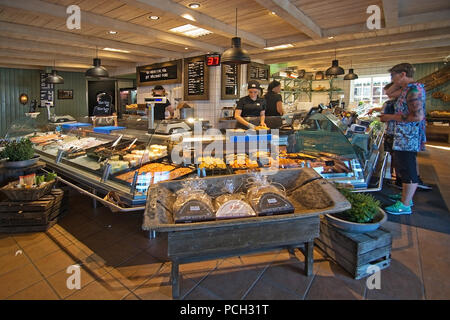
33, 33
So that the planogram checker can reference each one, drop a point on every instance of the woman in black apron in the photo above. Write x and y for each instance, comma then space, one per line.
160, 108
251, 106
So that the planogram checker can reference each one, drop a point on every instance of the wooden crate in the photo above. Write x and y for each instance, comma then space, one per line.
355, 252
32, 216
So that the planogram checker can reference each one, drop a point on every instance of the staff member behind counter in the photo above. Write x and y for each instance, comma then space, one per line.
161, 108
274, 101
104, 112
251, 106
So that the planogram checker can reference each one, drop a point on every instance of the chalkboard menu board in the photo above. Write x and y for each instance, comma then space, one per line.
47, 90
159, 73
231, 81
259, 72
196, 78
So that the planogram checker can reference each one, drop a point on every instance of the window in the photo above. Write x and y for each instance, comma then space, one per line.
369, 90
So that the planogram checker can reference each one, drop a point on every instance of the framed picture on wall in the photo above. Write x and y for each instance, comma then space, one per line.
65, 94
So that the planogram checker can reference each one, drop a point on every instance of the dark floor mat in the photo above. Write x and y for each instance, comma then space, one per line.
429, 210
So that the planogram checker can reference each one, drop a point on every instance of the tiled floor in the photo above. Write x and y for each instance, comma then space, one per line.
118, 261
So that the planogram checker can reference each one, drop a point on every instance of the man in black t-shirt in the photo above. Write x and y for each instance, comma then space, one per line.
160, 108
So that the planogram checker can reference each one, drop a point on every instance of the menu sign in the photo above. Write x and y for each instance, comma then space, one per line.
196, 79
259, 72
230, 81
47, 90
159, 73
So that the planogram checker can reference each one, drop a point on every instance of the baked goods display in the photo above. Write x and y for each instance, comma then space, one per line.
193, 203
232, 204
150, 167
241, 161
211, 163
266, 198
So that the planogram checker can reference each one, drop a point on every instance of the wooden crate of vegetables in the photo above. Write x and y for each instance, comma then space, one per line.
33, 216
29, 188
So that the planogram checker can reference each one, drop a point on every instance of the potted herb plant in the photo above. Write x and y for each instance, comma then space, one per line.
19, 154
364, 216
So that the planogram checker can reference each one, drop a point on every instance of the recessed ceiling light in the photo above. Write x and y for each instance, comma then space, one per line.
194, 5
112, 32
190, 31
273, 13
329, 38
116, 50
282, 46
153, 17
186, 48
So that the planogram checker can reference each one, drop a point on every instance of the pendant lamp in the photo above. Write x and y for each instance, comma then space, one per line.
235, 55
334, 70
54, 77
97, 71
319, 75
350, 75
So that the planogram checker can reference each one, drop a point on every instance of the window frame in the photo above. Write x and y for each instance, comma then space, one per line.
364, 98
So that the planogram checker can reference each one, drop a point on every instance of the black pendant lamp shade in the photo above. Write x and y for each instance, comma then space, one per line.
334, 70
97, 71
350, 75
235, 55
54, 78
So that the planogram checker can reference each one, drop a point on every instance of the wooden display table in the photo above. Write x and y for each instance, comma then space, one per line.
191, 242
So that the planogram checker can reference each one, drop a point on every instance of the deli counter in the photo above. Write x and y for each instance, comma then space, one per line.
128, 161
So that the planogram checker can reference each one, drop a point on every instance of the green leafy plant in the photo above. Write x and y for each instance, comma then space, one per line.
18, 150
364, 207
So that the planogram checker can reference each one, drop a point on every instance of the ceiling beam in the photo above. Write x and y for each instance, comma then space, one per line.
200, 19
57, 50
93, 19
350, 52
390, 11
57, 37
360, 43
57, 57
424, 17
294, 16
42, 63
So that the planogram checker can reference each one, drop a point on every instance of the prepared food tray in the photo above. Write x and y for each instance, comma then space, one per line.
159, 171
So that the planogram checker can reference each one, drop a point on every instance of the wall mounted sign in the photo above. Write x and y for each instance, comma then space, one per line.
159, 73
47, 90
259, 72
213, 60
196, 79
231, 81
65, 94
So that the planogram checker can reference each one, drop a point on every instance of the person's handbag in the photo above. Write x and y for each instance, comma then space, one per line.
406, 136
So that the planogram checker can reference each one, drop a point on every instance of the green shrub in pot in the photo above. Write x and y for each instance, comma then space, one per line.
364, 207
18, 150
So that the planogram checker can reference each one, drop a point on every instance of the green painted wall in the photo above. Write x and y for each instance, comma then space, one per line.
13, 82
425, 69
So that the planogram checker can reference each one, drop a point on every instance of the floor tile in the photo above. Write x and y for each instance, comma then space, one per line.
82, 231
435, 262
196, 271
18, 279
137, 270
54, 262
11, 261
200, 293
38, 291
41, 249
289, 276
159, 286
59, 280
131, 296
106, 288
264, 290
27, 239
8, 246
230, 281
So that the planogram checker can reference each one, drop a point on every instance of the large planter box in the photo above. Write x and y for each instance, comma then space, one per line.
355, 252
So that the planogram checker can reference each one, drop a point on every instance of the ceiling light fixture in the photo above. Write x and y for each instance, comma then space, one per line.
329, 38
116, 50
334, 70
97, 71
188, 16
190, 31
112, 32
273, 13
54, 77
350, 75
281, 46
235, 55
153, 17
194, 5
